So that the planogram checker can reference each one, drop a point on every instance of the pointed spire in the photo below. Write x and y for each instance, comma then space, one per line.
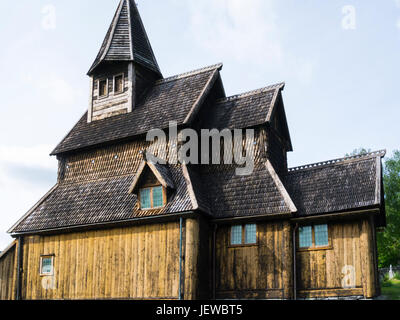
126, 40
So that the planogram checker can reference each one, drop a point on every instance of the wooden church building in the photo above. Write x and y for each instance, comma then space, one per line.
116, 226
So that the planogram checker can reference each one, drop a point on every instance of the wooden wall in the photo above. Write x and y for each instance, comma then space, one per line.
114, 103
139, 262
8, 273
323, 272
262, 271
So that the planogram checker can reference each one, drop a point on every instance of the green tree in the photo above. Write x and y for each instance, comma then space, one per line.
389, 239
357, 152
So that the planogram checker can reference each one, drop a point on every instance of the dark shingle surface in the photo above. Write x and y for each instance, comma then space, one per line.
100, 201
233, 196
168, 100
245, 110
334, 187
127, 41
165, 173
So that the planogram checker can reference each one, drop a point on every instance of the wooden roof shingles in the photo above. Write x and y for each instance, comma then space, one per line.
171, 99
99, 202
245, 110
231, 195
336, 185
126, 40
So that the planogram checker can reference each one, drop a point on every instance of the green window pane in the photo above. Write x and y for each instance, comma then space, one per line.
158, 197
47, 267
321, 235
236, 235
145, 202
250, 234
305, 237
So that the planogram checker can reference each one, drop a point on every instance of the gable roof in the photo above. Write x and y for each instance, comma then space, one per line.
172, 99
245, 110
161, 172
126, 40
100, 201
230, 195
336, 185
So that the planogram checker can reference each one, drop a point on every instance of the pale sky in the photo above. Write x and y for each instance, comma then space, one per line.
339, 59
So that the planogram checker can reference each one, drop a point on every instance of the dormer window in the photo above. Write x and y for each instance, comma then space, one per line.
103, 88
119, 83
152, 198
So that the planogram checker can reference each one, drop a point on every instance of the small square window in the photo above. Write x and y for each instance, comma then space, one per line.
314, 237
250, 234
305, 237
103, 88
145, 200
158, 200
236, 235
47, 265
152, 198
321, 235
119, 84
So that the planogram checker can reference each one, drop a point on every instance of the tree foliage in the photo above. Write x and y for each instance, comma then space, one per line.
358, 152
389, 239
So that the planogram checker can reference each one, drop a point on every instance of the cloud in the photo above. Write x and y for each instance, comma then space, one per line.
26, 174
397, 2
248, 32
238, 27
32, 157
52, 86
398, 23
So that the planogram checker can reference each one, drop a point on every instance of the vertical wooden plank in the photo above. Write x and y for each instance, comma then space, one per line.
287, 261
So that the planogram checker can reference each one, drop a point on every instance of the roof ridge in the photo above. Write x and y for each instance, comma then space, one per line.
279, 85
374, 154
190, 73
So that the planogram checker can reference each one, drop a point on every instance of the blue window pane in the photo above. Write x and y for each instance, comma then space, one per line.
250, 233
47, 266
321, 235
145, 202
236, 235
158, 197
305, 237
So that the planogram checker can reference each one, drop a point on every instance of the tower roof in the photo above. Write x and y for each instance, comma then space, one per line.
126, 40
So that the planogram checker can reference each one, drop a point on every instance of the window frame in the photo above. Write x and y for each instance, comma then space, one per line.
98, 88
46, 256
123, 83
164, 194
314, 247
243, 244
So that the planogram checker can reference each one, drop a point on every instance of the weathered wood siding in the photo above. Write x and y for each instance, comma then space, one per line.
113, 103
325, 273
138, 262
261, 271
8, 274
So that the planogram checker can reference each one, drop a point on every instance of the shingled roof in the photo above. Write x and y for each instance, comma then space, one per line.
126, 40
99, 202
172, 99
245, 110
336, 185
230, 195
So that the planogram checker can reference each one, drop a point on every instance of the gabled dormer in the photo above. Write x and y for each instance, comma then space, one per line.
124, 67
152, 184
